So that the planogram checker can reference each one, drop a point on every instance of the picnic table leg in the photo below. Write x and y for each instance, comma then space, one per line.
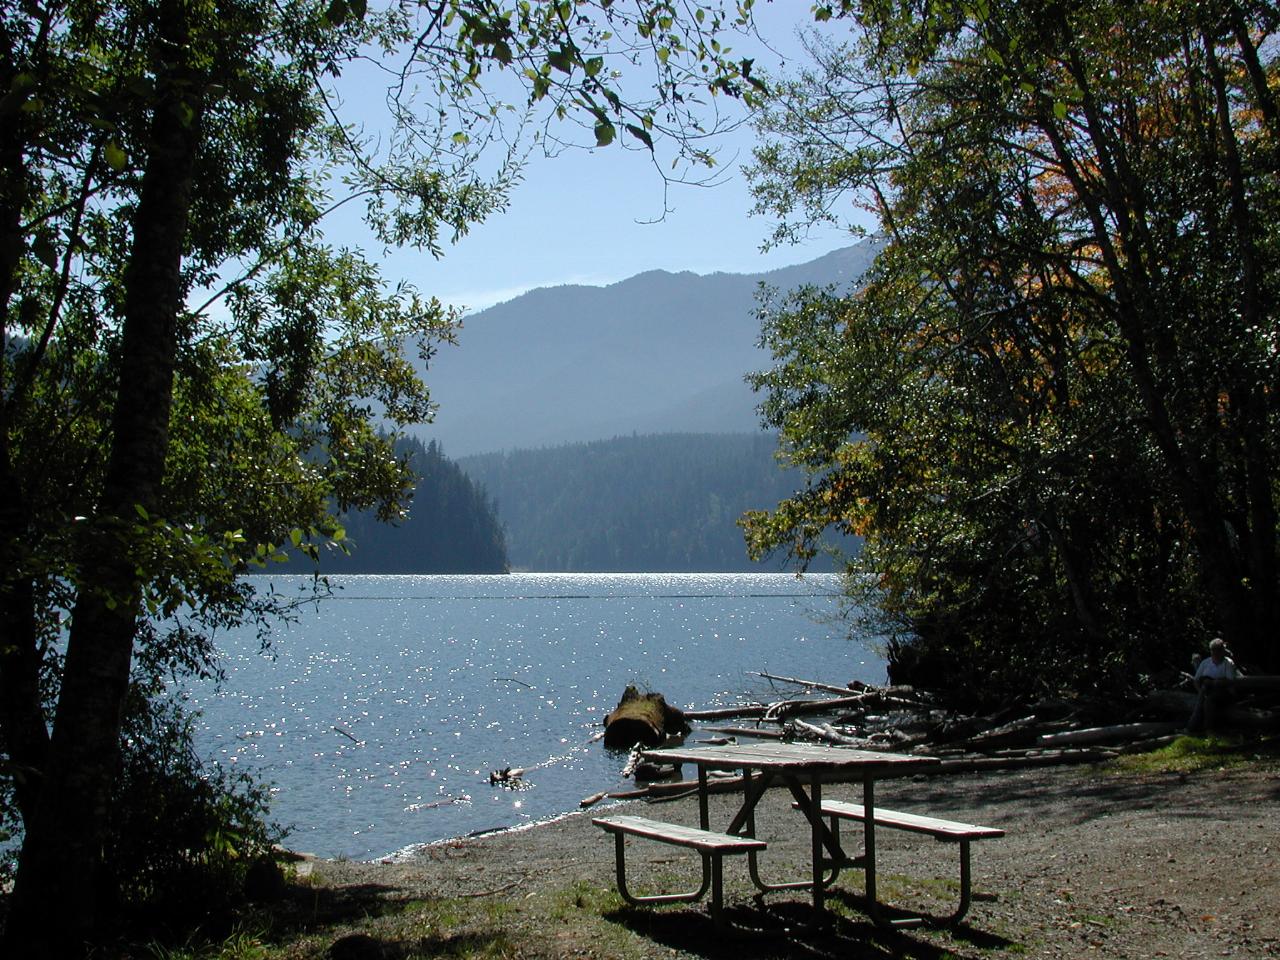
753, 789
869, 855
816, 826
704, 816
809, 802
717, 890
711, 872
965, 881
745, 824
869, 844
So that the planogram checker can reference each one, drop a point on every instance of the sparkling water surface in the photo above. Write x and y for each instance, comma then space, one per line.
379, 715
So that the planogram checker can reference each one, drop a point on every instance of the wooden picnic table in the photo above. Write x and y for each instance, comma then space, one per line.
803, 768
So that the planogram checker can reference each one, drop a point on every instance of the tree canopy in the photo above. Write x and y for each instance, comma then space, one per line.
193, 381
1052, 411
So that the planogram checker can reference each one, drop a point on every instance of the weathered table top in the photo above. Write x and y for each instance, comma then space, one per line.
790, 758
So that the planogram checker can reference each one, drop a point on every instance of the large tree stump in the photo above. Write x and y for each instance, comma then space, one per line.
644, 718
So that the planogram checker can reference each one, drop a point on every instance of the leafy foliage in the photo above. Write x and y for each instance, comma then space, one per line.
194, 383
182, 835
1051, 410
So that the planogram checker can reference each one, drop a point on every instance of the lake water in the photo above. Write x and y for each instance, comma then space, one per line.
379, 716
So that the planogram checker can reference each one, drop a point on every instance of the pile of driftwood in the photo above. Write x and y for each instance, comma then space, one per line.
904, 720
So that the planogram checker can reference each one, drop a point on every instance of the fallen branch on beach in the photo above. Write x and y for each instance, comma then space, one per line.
758, 732
811, 684
826, 732
667, 788
741, 712
783, 709
1113, 734
1045, 759
900, 719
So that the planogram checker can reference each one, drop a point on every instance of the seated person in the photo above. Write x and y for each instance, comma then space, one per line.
1215, 686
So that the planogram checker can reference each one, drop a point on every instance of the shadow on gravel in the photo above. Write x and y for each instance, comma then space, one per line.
781, 929
359, 946
1091, 793
318, 910
302, 907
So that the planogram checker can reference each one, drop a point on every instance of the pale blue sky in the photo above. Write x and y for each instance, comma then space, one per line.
583, 217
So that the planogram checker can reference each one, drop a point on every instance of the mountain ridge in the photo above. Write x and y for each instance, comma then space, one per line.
656, 352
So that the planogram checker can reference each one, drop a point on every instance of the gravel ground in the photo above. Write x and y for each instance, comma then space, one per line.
1094, 863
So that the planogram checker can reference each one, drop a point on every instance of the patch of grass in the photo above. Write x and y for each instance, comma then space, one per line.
1099, 920
457, 913
910, 892
462, 928
487, 945
583, 897
241, 945
1190, 754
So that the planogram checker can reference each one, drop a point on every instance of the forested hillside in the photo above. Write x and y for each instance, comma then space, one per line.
666, 502
451, 527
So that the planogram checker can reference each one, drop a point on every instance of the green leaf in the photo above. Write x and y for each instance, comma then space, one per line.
115, 156
561, 60
640, 134
1060, 110
44, 250
336, 15
605, 133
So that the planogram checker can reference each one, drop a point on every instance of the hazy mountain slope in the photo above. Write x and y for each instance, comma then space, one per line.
656, 353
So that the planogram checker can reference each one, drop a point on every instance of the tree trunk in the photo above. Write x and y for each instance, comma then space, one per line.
54, 907
1250, 397
1191, 471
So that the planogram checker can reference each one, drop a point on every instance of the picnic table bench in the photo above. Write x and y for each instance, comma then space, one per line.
948, 831
713, 847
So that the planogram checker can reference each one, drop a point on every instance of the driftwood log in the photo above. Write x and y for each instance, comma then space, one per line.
1117, 733
1022, 734
810, 684
644, 718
